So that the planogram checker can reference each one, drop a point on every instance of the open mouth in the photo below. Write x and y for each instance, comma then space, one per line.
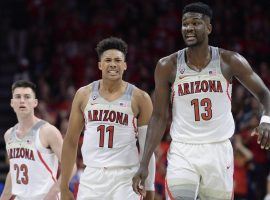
113, 72
190, 37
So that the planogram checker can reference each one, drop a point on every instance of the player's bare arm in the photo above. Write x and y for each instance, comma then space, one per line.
7, 192
143, 109
236, 65
70, 145
142, 106
50, 137
164, 76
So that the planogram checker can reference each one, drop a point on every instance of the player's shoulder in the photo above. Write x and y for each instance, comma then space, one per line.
49, 135
139, 93
169, 60
48, 128
85, 90
140, 96
7, 134
230, 57
141, 101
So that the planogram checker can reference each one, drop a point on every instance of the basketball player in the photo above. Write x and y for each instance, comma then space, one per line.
113, 113
200, 158
33, 147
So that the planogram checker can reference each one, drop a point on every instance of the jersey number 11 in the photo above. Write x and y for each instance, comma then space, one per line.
110, 130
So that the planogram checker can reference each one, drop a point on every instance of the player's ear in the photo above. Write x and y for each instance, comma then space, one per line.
35, 103
209, 28
125, 66
207, 21
99, 65
11, 103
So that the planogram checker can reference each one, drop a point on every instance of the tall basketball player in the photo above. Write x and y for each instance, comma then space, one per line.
113, 113
34, 149
200, 159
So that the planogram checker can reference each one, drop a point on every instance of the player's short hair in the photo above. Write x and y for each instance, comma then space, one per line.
24, 84
198, 7
111, 43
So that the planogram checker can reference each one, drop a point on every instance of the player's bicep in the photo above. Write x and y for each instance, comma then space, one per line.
146, 109
56, 141
76, 119
162, 90
245, 74
254, 84
6, 136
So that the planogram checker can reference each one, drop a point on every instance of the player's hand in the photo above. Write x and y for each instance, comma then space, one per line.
138, 180
66, 195
263, 133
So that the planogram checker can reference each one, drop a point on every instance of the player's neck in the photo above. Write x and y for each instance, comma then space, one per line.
109, 86
198, 57
26, 122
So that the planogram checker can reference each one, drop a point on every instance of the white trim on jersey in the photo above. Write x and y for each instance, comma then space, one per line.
265, 119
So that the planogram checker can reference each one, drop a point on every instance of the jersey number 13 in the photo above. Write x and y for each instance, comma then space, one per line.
205, 104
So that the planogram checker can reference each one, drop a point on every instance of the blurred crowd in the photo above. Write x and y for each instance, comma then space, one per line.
53, 44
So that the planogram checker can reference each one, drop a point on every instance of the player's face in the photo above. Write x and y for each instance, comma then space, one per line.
23, 101
195, 28
112, 64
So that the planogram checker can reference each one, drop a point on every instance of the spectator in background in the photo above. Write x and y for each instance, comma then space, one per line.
260, 161
54, 25
267, 197
161, 166
242, 158
18, 33
2, 185
23, 72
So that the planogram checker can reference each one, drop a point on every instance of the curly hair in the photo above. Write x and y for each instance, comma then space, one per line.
111, 43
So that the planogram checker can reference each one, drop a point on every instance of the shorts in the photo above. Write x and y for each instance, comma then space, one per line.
204, 170
107, 183
38, 197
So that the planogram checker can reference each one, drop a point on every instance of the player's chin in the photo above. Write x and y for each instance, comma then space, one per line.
114, 78
191, 43
22, 111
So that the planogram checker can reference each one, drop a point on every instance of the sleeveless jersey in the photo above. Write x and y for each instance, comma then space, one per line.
201, 103
33, 168
110, 131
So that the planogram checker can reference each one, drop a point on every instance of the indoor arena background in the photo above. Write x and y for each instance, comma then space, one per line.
52, 43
